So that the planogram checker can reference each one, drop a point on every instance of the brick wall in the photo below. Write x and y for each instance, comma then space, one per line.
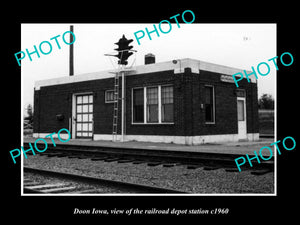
155, 79
189, 118
57, 99
225, 105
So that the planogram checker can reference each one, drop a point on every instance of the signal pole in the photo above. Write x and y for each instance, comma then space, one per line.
123, 105
124, 52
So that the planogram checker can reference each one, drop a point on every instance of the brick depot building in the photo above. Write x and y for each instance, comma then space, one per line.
183, 101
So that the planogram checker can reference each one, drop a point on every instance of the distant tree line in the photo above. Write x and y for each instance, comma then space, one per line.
266, 101
28, 120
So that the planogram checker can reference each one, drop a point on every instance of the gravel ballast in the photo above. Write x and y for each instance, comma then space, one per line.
196, 181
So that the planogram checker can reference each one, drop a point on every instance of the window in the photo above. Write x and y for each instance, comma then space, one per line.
109, 96
138, 105
152, 105
241, 113
209, 104
167, 104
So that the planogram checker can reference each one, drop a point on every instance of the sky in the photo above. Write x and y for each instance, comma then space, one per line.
235, 45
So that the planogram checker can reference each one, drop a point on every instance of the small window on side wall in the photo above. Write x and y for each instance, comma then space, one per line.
109, 96
138, 105
209, 104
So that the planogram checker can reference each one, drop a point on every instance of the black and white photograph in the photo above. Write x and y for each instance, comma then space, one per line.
145, 117
138, 112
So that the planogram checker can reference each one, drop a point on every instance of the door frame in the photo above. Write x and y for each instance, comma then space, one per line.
242, 131
73, 119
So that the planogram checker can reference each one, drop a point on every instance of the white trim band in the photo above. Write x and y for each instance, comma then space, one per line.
195, 65
187, 140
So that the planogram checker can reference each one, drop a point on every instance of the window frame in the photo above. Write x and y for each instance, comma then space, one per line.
213, 104
243, 109
132, 108
160, 106
145, 105
105, 96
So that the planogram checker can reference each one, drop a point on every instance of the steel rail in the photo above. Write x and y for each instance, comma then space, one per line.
100, 181
148, 155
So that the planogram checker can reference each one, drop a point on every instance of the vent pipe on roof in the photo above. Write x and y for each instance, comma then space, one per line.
149, 58
71, 52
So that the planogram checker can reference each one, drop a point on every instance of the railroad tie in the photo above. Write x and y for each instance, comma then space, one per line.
26, 180
260, 172
170, 164
72, 156
154, 163
81, 156
52, 154
99, 158
111, 159
192, 167
210, 168
41, 186
138, 162
232, 170
31, 183
61, 155
51, 188
59, 189
125, 160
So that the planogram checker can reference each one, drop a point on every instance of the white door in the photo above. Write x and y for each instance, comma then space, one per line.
82, 116
241, 114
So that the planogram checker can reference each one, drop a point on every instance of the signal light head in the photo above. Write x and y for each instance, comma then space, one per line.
123, 47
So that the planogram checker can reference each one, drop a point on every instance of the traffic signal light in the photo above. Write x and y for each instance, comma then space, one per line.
123, 50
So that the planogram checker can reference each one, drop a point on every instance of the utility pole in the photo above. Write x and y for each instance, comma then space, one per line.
71, 64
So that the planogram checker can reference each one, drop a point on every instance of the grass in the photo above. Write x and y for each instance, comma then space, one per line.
266, 121
27, 132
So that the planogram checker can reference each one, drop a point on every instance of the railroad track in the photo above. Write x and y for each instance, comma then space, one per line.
209, 161
68, 184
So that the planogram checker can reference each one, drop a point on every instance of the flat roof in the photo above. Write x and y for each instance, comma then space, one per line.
195, 65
